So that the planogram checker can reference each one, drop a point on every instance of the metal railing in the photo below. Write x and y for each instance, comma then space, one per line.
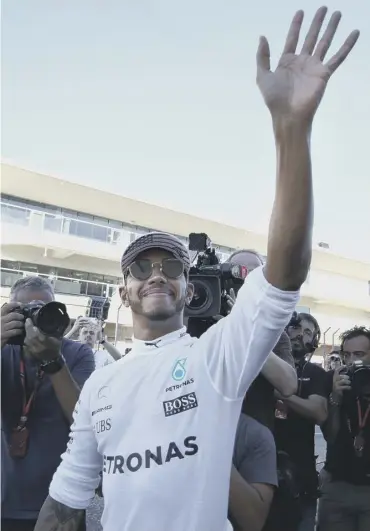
59, 223
88, 288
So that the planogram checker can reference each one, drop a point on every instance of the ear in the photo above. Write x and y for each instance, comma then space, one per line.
124, 296
189, 293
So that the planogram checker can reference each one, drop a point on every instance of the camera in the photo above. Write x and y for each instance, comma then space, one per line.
359, 374
51, 319
211, 280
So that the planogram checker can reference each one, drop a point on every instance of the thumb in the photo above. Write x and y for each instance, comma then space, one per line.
263, 56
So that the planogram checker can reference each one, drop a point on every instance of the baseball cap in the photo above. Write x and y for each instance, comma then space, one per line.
156, 240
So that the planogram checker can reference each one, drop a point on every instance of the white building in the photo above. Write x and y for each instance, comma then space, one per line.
75, 235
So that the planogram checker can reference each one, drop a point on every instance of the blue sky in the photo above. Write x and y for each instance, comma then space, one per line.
156, 100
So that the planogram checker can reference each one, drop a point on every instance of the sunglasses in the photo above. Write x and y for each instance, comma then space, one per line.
142, 268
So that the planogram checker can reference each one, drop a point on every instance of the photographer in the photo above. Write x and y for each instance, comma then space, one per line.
41, 382
297, 415
345, 493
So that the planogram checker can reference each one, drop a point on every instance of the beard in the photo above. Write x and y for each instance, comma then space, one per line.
298, 349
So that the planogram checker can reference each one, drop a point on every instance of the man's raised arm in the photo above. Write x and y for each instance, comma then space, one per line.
293, 93
238, 346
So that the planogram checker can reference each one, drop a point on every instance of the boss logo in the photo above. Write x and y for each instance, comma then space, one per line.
180, 404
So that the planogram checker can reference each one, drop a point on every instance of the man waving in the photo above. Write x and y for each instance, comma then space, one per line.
146, 419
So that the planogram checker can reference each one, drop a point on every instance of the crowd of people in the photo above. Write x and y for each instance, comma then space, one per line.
197, 434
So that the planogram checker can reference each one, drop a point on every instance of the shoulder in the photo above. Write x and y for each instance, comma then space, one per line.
283, 348
73, 350
79, 358
316, 370
253, 432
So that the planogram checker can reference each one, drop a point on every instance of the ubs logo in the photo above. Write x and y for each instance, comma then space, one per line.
179, 370
103, 425
180, 404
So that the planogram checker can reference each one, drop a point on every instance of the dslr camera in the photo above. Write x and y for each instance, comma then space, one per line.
51, 319
359, 374
212, 280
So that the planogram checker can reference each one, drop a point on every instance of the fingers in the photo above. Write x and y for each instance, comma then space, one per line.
293, 33
13, 325
313, 33
263, 56
343, 51
9, 307
327, 38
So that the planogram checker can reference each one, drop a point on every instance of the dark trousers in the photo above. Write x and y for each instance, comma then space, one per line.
25, 525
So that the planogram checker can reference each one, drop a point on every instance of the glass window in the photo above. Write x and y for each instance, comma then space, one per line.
53, 223
9, 264
100, 233
26, 266
8, 278
16, 215
94, 290
95, 277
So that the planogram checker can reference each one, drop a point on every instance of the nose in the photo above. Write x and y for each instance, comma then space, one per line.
157, 276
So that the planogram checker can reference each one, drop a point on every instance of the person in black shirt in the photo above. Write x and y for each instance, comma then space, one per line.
345, 501
298, 414
278, 372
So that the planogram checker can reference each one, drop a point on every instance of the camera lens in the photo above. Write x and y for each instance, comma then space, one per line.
202, 298
52, 319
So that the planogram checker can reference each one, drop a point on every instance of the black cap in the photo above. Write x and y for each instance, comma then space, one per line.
156, 240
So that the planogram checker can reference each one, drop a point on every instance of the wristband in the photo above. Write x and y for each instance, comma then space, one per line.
53, 366
332, 401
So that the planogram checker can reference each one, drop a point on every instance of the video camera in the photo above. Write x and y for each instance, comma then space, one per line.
359, 374
211, 280
51, 319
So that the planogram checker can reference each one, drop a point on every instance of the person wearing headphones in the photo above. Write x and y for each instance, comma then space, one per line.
298, 414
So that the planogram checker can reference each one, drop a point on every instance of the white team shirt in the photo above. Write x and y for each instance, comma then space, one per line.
161, 421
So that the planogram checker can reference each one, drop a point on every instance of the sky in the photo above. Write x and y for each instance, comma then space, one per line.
156, 100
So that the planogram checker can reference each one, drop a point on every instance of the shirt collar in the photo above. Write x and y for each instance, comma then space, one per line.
146, 346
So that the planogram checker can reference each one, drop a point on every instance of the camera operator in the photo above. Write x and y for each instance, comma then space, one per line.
277, 373
345, 492
297, 415
89, 332
41, 382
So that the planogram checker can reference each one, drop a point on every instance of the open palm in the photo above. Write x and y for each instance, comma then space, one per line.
296, 87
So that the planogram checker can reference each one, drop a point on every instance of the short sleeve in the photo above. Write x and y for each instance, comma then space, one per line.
319, 382
83, 362
255, 452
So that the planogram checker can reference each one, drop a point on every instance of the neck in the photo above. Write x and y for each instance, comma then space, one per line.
148, 330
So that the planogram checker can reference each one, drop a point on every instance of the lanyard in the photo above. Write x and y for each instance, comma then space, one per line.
27, 404
362, 419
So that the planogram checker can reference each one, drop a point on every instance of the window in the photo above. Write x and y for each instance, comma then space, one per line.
53, 223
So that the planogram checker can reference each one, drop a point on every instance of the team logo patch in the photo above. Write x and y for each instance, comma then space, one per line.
180, 404
179, 370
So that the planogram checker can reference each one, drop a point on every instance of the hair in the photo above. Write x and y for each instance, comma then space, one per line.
309, 317
356, 331
250, 251
31, 283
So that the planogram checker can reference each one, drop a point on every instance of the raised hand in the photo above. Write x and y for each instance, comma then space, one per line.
295, 89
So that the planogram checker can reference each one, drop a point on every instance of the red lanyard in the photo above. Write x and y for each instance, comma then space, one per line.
27, 404
362, 419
